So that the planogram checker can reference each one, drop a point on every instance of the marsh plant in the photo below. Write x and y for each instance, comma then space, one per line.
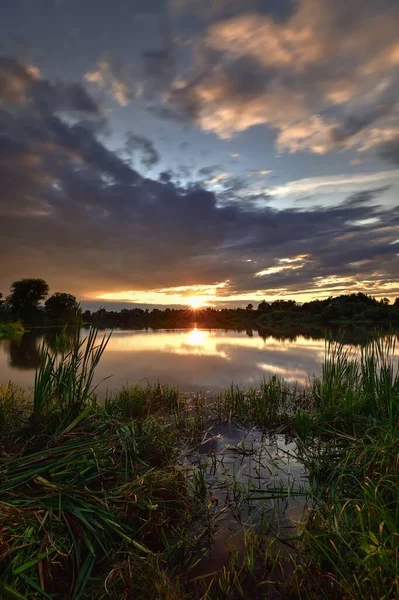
11, 330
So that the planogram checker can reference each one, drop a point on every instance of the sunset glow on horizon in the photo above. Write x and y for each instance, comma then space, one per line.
323, 288
196, 302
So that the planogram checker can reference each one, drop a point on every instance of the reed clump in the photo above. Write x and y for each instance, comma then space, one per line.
92, 501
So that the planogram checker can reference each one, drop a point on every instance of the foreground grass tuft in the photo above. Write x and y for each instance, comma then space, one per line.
93, 502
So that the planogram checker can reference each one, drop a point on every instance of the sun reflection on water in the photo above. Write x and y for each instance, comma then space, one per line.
191, 359
197, 337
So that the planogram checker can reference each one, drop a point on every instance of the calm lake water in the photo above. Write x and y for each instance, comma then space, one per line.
191, 359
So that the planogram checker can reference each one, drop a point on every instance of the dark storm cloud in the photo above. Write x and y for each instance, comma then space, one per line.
75, 213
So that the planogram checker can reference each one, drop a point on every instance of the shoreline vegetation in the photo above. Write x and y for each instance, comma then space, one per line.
97, 500
11, 330
29, 302
358, 310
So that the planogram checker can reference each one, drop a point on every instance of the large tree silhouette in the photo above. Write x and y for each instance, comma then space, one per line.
26, 295
61, 306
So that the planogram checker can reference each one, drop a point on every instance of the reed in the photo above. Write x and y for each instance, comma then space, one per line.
65, 375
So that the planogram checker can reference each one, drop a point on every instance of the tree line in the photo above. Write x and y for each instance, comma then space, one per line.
30, 302
340, 310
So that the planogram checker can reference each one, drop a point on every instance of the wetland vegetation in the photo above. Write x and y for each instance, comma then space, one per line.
279, 491
11, 329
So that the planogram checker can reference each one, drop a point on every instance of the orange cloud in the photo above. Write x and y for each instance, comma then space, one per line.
112, 80
286, 74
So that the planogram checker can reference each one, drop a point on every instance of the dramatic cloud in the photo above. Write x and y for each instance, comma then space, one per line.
22, 86
324, 75
75, 213
147, 149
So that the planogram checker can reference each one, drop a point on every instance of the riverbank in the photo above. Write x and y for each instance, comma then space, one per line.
111, 500
11, 330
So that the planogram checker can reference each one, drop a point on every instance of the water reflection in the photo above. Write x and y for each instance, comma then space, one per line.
193, 360
23, 352
247, 476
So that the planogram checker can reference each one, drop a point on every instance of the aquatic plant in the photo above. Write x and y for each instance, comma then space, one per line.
11, 330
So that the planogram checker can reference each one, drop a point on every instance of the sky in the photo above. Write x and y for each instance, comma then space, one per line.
219, 152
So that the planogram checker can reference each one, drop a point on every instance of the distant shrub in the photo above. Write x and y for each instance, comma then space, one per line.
10, 330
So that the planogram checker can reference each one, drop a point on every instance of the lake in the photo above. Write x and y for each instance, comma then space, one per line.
191, 359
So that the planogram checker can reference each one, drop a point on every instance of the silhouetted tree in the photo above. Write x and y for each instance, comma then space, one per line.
26, 295
61, 306
263, 306
87, 316
284, 305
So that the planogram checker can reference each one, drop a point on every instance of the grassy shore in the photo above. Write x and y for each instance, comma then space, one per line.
96, 501
10, 330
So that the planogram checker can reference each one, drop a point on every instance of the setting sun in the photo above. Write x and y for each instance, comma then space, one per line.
195, 302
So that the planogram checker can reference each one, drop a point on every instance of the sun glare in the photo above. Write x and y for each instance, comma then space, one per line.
195, 302
197, 337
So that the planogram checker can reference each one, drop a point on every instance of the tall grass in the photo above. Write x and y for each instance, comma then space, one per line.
13, 407
137, 401
65, 375
351, 450
272, 404
94, 504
